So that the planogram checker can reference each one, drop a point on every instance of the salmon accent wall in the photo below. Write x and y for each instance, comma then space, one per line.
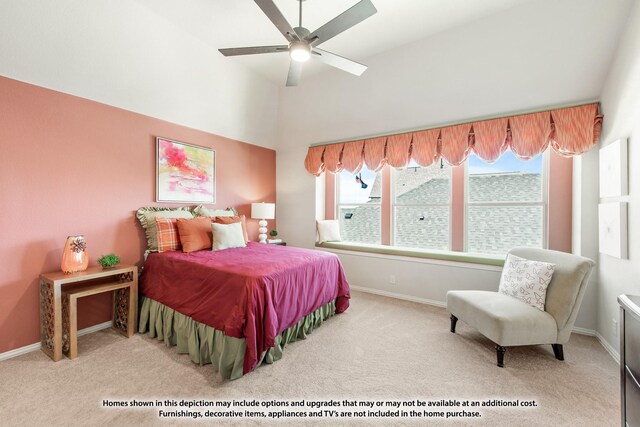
385, 208
73, 166
560, 202
330, 194
457, 207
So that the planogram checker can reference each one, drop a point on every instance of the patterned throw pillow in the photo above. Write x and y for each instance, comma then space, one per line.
526, 280
168, 237
146, 217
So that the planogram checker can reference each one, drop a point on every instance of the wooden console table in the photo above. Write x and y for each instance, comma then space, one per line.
57, 331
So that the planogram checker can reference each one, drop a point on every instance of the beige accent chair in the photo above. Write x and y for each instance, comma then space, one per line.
507, 321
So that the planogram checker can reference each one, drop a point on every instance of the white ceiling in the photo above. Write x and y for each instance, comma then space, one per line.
224, 23
446, 60
540, 54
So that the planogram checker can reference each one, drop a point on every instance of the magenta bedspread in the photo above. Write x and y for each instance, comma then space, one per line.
253, 293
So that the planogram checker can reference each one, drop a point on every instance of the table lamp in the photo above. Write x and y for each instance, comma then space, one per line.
263, 211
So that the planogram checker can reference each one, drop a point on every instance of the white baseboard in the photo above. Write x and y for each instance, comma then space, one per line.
612, 351
36, 346
576, 329
584, 331
399, 296
590, 332
95, 328
19, 351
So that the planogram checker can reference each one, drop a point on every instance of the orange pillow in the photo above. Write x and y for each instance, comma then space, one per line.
195, 233
168, 239
231, 220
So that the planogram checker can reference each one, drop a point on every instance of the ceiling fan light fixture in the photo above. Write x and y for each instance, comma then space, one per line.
300, 51
303, 44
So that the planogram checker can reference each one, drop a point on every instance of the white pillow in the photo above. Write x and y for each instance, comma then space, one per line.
227, 236
526, 280
328, 230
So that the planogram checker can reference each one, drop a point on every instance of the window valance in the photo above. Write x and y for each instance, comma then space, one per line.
569, 131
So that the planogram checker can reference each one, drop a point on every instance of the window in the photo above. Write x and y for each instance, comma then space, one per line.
505, 204
476, 208
422, 206
358, 206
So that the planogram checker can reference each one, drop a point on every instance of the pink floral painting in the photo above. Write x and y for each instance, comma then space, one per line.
185, 173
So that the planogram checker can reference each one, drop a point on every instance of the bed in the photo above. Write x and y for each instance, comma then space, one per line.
237, 308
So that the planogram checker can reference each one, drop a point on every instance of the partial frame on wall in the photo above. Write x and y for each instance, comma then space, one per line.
612, 226
612, 212
185, 173
613, 169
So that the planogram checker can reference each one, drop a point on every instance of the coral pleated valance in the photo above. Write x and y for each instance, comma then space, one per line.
569, 131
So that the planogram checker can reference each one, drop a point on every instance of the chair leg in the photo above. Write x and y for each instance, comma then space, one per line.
454, 319
500, 353
557, 351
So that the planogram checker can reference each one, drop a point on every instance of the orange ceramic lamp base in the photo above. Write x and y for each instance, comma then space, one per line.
75, 257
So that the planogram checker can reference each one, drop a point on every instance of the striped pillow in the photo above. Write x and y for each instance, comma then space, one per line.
168, 237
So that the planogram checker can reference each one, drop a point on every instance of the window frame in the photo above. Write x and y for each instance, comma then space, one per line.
393, 205
338, 204
458, 212
544, 203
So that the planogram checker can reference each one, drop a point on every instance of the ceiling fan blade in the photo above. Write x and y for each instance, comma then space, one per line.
234, 51
295, 71
339, 62
273, 13
347, 19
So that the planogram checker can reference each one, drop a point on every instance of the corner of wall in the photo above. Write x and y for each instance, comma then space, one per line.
585, 229
621, 107
297, 206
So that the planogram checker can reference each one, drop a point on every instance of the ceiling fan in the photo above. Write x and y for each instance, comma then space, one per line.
303, 43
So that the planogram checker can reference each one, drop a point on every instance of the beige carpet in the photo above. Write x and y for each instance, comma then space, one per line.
380, 349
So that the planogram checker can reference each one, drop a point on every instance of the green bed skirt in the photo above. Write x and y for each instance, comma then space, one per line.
208, 345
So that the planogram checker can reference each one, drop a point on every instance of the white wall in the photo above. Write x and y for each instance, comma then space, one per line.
416, 279
481, 69
621, 106
584, 222
127, 54
296, 194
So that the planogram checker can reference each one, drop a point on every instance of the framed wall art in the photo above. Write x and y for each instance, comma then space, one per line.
612, 225
185, 173
613, 169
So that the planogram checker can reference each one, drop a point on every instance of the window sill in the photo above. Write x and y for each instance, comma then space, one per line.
415, 253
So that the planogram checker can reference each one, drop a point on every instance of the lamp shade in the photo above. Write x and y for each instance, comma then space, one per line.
263, 210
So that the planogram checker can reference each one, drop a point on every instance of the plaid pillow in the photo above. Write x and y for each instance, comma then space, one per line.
168, 237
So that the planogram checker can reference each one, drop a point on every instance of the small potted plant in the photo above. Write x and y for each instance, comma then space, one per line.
274, 237
109, 260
